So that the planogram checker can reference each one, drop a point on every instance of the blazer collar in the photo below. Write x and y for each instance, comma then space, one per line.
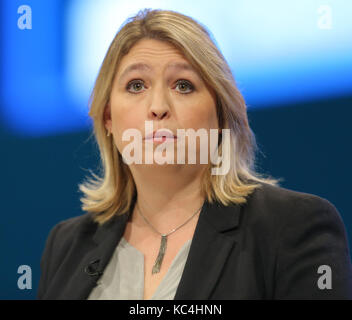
211, 244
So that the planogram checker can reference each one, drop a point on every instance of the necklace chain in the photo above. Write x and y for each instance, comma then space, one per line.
164, 235
163, 242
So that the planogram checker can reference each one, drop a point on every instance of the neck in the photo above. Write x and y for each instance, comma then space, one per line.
167, 196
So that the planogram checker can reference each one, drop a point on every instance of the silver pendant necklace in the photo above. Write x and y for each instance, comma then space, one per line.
163, 243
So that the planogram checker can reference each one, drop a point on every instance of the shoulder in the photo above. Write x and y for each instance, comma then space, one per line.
270, 195
75, 225
297, 234
68, 231
291, 218
281, 203
275, 212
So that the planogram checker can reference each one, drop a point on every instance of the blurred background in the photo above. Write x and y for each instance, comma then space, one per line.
292, 61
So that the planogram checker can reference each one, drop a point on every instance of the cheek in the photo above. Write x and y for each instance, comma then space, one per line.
124, 119
200, 115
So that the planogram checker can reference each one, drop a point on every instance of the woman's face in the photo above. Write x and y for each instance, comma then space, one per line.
154, 82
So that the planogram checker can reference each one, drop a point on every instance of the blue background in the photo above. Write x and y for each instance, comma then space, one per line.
295, 77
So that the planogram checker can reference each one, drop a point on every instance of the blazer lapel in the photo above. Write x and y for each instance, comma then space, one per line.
211, 245
103, 245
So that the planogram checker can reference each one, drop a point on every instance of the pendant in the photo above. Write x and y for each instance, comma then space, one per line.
160, 257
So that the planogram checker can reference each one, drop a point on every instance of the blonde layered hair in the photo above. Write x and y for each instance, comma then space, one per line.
112, 192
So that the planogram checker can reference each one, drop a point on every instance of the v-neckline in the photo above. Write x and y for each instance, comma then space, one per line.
167, 272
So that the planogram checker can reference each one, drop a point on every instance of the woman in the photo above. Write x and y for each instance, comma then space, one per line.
177, 230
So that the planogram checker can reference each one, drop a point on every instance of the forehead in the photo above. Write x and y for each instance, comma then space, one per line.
153, 49
148, 54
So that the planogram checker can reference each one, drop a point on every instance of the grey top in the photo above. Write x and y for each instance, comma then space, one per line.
123, 278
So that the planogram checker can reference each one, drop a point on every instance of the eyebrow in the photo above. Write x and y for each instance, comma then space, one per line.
145, 67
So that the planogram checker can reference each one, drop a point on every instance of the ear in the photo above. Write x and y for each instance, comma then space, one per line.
107, 117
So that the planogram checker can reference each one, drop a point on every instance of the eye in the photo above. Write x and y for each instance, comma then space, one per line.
136, 85
184, 85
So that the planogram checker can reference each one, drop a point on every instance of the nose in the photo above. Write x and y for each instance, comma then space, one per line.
159, 107
159, 114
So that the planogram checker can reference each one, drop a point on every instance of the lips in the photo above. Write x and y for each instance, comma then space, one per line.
161, 133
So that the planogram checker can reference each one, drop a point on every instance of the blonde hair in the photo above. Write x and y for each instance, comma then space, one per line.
113, 192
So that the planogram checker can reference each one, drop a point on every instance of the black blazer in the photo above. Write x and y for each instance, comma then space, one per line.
269, 248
